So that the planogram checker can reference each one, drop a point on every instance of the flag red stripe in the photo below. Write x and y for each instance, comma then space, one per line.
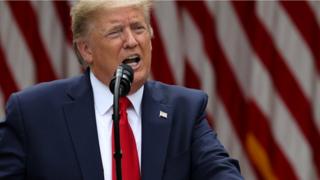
228, 88
28, 25
191, 79
7, 82
158, 66
262, 130
283, 80
305, 20
161, 69
63, 12
254, 127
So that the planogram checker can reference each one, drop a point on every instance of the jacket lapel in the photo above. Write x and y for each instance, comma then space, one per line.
80, 118
155, 132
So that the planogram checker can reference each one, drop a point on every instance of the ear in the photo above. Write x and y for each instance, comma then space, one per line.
151, 35
85, 51
151, 44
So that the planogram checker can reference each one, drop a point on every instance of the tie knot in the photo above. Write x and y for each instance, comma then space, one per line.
124, 103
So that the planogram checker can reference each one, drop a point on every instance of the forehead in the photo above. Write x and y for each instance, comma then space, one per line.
120, 15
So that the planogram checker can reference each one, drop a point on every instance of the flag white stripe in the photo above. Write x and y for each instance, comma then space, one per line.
288, 41
72, 65
230, 38
316, 105
258, 85
183, 40
15, 49
231, 141
223, 124
168, 24
280, 120
52, 37
200, 62
284, 128
296, 53
315, 6
197, 58
288, 135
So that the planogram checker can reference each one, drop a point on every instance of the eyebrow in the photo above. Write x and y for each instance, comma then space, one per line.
116, 27
112, 27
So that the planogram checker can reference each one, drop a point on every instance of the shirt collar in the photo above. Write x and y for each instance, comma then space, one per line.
103, 97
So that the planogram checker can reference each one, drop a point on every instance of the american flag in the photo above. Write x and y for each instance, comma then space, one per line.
259, 61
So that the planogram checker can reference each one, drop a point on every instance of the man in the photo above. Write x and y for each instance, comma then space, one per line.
63, 129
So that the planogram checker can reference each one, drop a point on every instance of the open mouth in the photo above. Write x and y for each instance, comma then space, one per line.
132, 60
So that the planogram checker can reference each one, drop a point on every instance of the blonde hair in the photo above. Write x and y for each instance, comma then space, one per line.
84, 11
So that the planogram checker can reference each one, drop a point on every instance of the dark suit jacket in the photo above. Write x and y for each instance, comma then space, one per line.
50, 133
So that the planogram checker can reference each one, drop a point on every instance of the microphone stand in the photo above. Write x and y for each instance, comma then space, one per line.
120, 85
116, 118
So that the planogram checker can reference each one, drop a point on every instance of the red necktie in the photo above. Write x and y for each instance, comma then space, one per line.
129, 160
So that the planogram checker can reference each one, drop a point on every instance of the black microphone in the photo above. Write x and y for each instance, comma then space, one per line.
120, 86
124, 74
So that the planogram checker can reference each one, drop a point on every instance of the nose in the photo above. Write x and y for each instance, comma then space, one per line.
130, 40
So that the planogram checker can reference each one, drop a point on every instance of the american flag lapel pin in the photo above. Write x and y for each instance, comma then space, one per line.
163, 114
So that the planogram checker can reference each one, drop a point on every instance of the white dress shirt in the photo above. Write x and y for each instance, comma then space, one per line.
103, 100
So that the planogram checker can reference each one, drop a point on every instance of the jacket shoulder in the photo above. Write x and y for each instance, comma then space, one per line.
46, 90
175, 93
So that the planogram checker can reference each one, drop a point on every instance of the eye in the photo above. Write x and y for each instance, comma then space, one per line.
114, 33
138, 28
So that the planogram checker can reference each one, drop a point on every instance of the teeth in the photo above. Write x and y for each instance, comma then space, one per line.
132, 63
132, 60
132, 57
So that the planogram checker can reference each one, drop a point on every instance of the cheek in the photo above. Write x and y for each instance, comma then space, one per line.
149, 55
147, 48
150, 44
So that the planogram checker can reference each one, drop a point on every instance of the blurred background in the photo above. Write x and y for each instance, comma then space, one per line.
259, 62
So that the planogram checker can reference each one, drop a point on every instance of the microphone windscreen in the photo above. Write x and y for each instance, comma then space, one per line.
126, 75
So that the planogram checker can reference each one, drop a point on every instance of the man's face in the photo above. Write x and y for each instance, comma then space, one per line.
118, 36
